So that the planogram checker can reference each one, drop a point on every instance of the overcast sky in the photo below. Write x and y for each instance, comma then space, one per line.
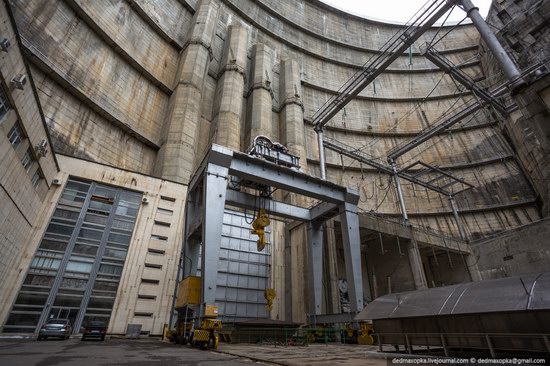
397, 11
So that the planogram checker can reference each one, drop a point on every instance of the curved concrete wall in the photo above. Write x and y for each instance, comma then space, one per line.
167, 77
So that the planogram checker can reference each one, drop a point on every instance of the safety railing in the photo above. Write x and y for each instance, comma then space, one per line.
287, 337
488, 342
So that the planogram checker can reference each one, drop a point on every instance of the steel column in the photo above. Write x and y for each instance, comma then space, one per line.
352, 255
399, 192
192, 238
508, 66
214, 190
321, 154
461, 230
315, 270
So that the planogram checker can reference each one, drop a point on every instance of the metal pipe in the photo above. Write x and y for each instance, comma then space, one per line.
399, 192
321, 154
457, 218
374, 286
508, 66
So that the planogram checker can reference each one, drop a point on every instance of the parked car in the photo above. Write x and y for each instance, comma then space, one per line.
60, 328
94, 329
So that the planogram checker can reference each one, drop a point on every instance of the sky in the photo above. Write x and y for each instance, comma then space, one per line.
397, 11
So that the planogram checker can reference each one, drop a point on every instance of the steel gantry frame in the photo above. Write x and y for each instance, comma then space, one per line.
210, 191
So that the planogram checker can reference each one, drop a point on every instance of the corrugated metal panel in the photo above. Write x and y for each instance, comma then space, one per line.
243, 272
529, 292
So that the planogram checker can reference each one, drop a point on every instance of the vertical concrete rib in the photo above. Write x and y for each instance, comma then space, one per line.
291, 117
259, 118
229, 92
176, 157
291, 129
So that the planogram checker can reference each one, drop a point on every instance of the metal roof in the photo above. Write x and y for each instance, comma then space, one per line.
528, 292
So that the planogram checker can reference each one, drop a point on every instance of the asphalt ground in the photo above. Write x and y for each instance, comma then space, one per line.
142, 352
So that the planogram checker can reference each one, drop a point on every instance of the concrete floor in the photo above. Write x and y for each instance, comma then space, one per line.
312, 355
143, 352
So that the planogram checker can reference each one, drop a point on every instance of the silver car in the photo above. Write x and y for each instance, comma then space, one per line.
60, 328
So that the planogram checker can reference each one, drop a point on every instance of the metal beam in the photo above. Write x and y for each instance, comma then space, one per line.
263, 172
344, 150
322, 163
323, 211
431, 54
338, 147
217, 155
276, 208
434, 130
400, 193
380, 62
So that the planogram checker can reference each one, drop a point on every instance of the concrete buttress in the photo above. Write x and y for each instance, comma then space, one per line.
229, 92
259, 118
176, 157
291, 116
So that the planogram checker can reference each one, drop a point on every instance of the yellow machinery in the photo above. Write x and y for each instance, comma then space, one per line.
207, 336
364, 336
269, 295
187, 302
360, 336
258, 225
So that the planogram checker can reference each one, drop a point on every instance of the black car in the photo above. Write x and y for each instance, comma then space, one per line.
94, 329
60, 328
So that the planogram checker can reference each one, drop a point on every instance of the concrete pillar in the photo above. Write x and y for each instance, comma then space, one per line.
298, 280
228, 103
291, 116
259, 116
291, 130
176, 157
415, 260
